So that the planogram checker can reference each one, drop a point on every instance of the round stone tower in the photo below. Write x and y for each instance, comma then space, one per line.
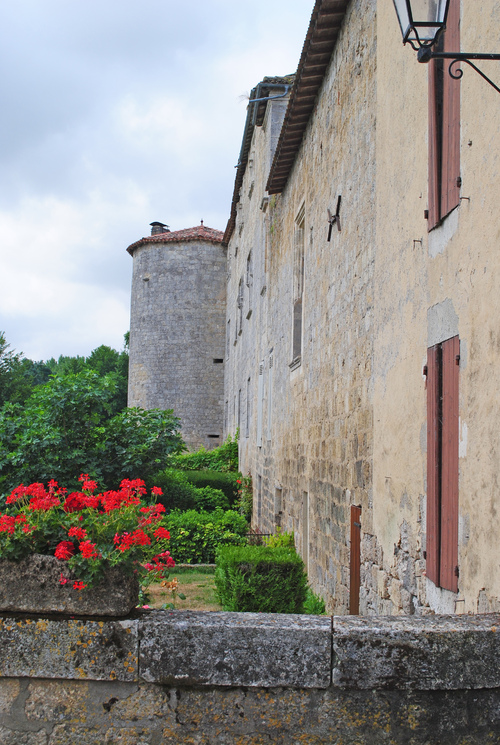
177, 328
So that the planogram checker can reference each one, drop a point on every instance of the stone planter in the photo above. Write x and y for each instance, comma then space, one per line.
32, 585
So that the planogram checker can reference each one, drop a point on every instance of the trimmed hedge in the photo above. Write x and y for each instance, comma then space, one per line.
226, 482
260, 579
181, 494
196, 536
223, 458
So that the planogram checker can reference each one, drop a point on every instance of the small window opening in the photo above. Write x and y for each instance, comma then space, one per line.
218, 361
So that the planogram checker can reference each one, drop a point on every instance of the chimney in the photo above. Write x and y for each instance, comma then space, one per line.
159, 227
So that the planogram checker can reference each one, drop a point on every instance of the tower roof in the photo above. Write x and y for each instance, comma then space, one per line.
199, 233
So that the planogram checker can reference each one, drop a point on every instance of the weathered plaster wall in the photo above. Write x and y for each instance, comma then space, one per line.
177, 331
429, 287
212, 678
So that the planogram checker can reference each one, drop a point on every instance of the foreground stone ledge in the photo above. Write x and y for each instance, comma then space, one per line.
236, 649
417, 653
68, 649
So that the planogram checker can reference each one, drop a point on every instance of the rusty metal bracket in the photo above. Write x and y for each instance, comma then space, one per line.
334, 219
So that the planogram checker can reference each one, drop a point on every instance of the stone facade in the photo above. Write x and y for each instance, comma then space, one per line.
211, 678
177, 325
327, 339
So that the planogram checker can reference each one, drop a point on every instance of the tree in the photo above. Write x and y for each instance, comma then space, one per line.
71, 425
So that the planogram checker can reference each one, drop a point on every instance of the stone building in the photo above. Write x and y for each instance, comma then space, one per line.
363, 353
178, 315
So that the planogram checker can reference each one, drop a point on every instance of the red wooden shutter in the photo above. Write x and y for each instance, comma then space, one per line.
450, 168
449, 477
355, 560
444, 126
433, 465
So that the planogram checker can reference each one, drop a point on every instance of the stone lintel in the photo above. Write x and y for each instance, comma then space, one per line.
236, 649
418, 653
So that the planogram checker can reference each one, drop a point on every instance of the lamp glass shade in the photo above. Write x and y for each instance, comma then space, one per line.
421, 21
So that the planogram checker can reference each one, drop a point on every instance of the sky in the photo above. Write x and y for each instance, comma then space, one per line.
115, 113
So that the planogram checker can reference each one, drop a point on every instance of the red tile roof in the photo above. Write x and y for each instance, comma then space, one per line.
199, 233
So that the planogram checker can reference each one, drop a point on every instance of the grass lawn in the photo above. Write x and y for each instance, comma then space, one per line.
196, 584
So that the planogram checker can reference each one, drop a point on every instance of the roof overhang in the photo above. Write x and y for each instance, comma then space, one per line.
319, 44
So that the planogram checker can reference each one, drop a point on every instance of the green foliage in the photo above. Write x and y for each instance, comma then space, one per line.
19, 375
226, 482
70, 425
208, 499
244, 501
195, 536
260, 579
280, 540
179, 493
223, 458
314, 605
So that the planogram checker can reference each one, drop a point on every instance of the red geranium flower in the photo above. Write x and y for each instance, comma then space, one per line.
88, 550
64, 550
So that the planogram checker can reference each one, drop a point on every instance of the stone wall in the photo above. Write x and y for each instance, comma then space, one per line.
177, 333
252, 679
314, 458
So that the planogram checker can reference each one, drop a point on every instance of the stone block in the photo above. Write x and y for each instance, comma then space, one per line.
33, 585
431, 653
68, 648
247, 649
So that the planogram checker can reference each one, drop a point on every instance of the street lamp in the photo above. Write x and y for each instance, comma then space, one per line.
421, 22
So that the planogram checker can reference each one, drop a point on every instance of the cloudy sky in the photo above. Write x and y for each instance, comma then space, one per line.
115, 113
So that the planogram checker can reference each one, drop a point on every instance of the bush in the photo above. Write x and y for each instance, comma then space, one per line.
260, 579
223, 458
70, 425
208, 499
280, 540
180, 494
226, 482
314, 605
196, 536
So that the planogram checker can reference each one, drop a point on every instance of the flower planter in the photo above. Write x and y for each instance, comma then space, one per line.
33, 585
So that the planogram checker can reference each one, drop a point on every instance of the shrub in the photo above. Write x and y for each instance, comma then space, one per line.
70, 425
314, 605
178, 493
223, 458
196, 536
208, 499
260, 579
280, 540
226, 482
245, 496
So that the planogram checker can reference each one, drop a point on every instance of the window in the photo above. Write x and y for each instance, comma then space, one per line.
442, 463
444, 126
298, 286
260, 403
249, 283
305, 530
270, 396
278, 507
239, 304
247, 431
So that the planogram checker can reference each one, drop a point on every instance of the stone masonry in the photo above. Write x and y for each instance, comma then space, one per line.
177, 329
197, 678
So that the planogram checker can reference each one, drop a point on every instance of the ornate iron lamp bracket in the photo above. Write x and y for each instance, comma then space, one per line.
425, 54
